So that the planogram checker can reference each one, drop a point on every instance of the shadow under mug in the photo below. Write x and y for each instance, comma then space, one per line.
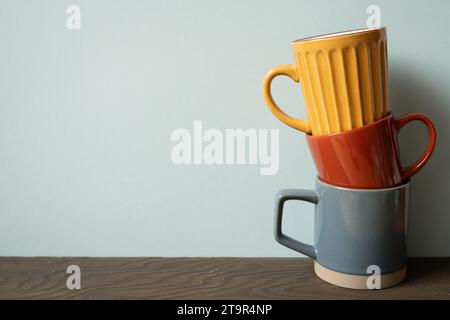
368, 157
355, 232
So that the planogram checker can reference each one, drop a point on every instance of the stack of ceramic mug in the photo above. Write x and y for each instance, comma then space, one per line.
362, 191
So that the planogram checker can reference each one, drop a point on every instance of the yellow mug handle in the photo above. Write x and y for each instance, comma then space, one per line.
290, 71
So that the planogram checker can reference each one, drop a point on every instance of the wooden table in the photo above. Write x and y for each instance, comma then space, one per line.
203, 278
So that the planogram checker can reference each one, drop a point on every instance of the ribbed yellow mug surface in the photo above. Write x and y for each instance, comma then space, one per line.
343, 78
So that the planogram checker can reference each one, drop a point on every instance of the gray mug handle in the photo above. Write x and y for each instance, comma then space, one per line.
280, 237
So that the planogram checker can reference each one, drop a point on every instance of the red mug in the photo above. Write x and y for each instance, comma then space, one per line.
368, 157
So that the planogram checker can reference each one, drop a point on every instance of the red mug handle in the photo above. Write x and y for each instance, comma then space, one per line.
416, 166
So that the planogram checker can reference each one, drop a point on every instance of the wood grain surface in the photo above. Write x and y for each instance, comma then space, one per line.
203, 278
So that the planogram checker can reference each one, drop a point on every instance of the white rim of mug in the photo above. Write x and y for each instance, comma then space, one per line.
401, 186
338, 34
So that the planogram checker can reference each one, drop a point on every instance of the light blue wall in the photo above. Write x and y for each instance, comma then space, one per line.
86, 119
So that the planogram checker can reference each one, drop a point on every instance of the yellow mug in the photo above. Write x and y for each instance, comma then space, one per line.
343, 78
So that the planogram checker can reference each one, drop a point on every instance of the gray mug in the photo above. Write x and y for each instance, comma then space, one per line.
357, 232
